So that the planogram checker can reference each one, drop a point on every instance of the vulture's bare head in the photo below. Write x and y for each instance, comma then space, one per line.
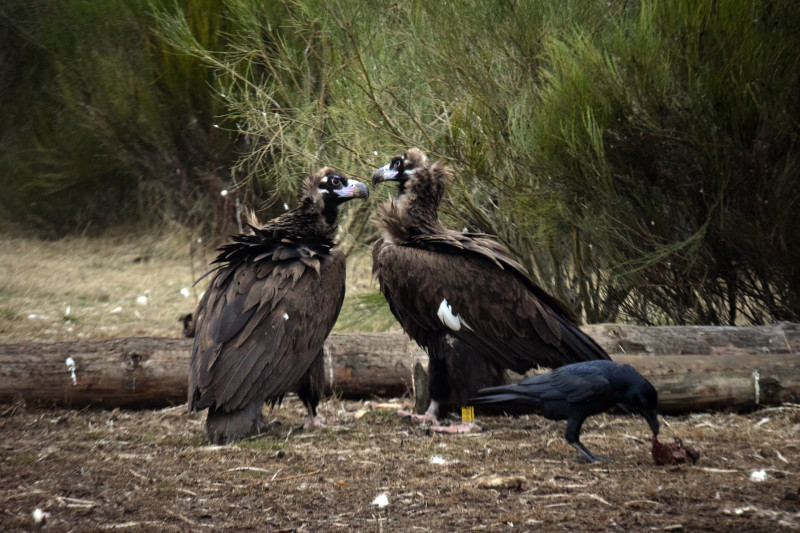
418, 182
327, 189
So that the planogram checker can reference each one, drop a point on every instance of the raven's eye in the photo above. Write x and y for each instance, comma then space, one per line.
396, 163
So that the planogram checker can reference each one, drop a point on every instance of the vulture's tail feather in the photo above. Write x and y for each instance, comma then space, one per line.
224, 428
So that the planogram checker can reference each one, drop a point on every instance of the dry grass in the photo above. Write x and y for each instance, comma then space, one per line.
94, 288
97, 470
120, 285
93, 470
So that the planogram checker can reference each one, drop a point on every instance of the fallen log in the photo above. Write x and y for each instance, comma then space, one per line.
783, 337
731, 370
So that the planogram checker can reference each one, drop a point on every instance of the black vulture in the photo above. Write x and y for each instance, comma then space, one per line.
275, 295
573, 393
461, 296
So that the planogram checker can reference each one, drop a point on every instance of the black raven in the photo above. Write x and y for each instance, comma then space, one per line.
575, 392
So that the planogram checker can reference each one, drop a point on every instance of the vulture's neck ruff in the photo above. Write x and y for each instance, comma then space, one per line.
310, 226
415, 211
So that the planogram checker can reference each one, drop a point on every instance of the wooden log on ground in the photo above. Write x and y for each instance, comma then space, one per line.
132, 372
153, 372
694, 340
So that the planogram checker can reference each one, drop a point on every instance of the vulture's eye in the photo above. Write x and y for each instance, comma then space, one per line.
396, 163
336, 181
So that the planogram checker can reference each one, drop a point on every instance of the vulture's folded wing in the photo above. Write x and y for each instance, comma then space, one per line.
263, 322
481, 297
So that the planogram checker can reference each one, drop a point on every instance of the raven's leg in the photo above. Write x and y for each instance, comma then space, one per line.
309, 390
573, 435
588, 456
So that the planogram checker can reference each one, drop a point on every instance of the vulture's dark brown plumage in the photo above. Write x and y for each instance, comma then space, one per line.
273, 300
461, 296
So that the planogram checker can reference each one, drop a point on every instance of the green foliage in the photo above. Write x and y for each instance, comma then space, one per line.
639, 157
668, 163
108, 124
364, 312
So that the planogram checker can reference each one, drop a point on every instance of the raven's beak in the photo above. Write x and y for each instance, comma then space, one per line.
354, 189
651, 415
384, 174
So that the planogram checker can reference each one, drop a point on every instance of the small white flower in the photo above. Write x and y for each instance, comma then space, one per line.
375, 152
382, 500
438, 460
285, 206
66, 313
758, 476
141, 300
216, 126
185, 292
38, 516
223, 192
286, 316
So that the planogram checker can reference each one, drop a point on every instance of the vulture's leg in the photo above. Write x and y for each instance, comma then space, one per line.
438, 389
462, 427
463, 373
226, 427
428, 417
310, 388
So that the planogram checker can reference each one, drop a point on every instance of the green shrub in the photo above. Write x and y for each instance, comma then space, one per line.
639, 157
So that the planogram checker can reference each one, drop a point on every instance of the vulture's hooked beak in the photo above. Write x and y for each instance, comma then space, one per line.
384, 174
354, 189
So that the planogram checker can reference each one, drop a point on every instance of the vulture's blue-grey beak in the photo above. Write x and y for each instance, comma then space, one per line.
353, 189
384, 174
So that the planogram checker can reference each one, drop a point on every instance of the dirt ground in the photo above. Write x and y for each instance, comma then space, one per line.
118, 470
94, 470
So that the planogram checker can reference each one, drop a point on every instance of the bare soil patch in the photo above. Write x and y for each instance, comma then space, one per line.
95, 470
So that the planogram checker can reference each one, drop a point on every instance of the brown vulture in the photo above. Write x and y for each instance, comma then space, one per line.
274, 297
461, 296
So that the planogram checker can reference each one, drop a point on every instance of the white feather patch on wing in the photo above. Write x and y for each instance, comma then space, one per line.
450, 319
